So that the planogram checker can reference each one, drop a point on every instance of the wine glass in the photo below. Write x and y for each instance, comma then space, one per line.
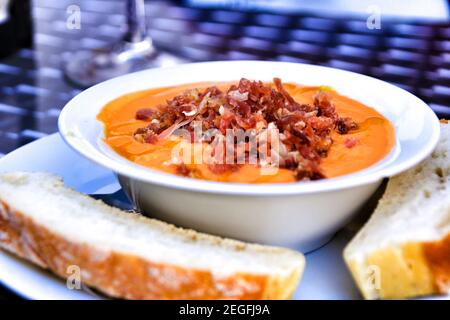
135, 51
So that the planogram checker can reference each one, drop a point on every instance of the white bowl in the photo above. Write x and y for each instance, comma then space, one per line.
302, 215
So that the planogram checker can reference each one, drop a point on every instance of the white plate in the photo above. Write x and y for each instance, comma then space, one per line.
326, 276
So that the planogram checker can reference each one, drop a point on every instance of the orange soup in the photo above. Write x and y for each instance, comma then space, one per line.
322, 133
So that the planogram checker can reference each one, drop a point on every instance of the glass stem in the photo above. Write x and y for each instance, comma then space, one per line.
137, 30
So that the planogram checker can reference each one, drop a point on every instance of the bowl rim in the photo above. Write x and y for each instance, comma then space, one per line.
131, 170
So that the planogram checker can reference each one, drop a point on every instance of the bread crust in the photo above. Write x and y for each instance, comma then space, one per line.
404, 269
131, 277
410, 270
437, 255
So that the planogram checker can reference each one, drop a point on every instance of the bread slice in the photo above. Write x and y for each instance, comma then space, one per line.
404, 249
130, 256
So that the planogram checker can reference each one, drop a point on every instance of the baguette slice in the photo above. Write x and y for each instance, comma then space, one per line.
130, 256
404, 249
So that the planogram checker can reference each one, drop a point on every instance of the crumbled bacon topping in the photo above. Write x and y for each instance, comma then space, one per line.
146, 135
304, 129
219, 168
182, 170
344, 125
145, 114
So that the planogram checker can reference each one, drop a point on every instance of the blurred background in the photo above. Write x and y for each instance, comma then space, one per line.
46, 46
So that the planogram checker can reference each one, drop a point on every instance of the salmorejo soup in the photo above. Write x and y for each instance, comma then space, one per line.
247, 131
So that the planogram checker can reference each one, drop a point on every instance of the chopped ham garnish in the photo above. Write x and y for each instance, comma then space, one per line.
351, 142
304, 129
145, 114
170, 130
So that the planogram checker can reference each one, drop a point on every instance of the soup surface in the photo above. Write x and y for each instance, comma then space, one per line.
322, 133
